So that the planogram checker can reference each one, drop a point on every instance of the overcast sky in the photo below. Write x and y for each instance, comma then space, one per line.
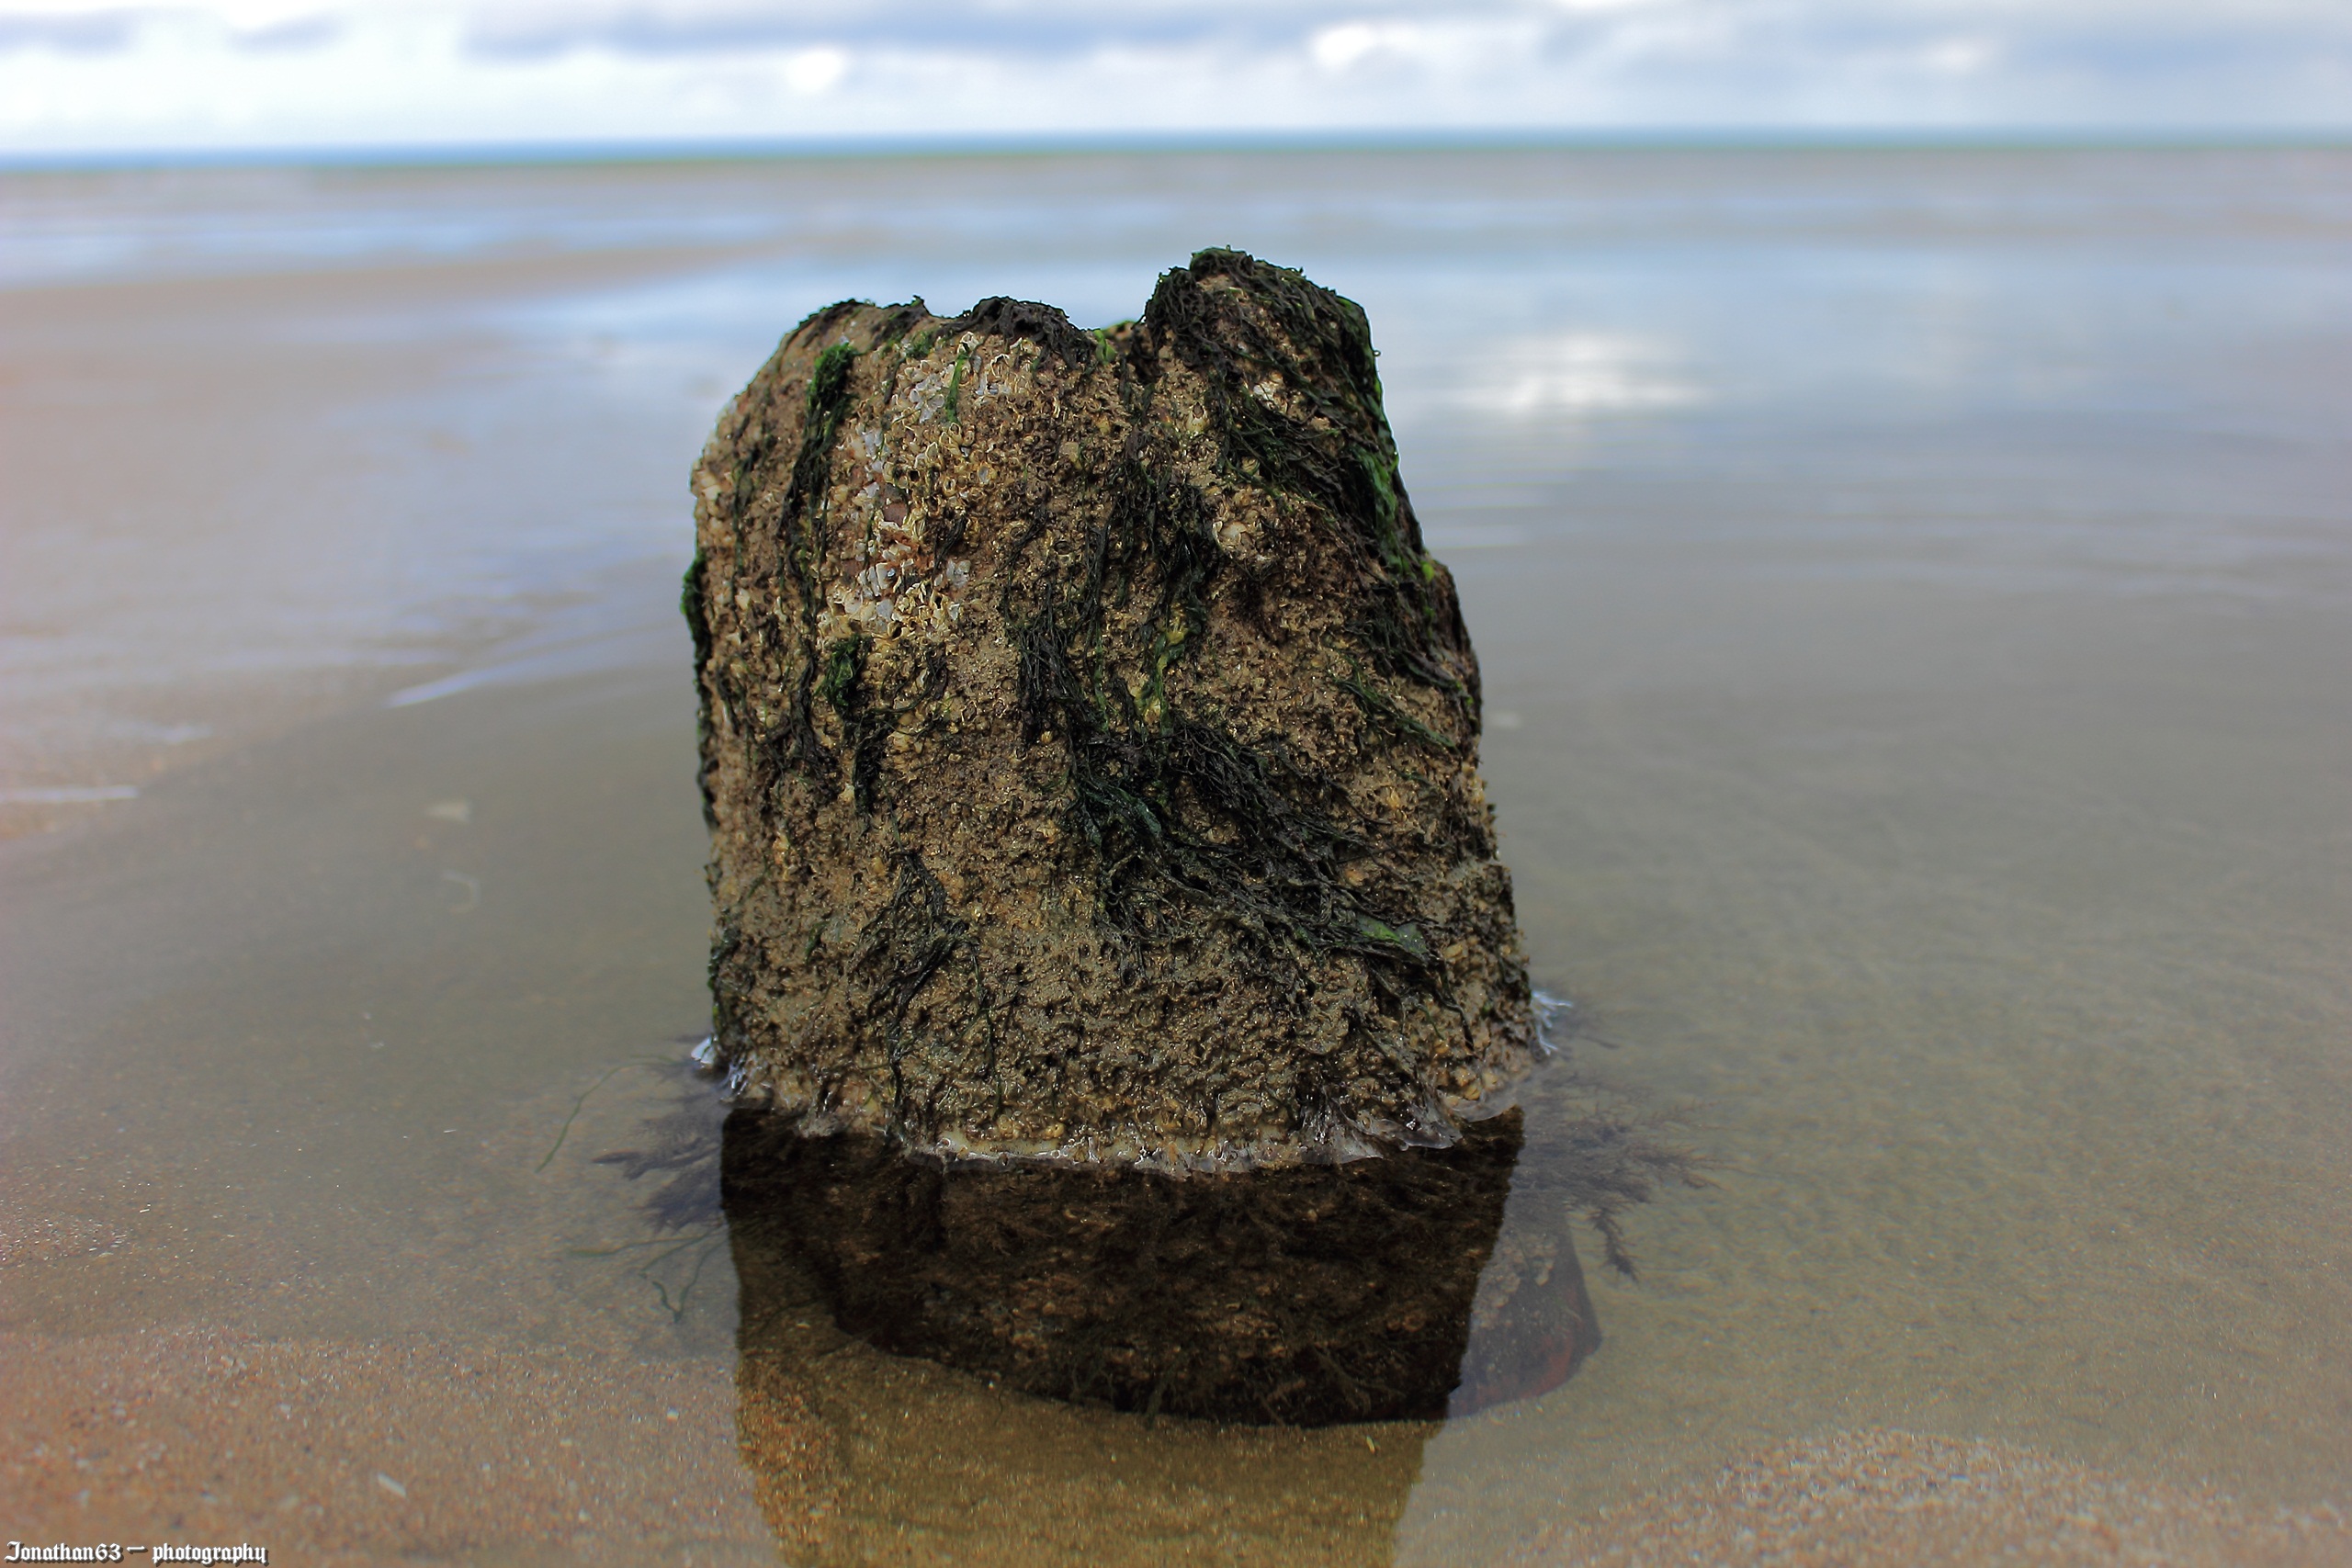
87, 76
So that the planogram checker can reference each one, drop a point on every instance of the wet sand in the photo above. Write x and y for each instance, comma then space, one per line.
1914, 715
343, 1455
336, 1452
1874, 1497
230, 496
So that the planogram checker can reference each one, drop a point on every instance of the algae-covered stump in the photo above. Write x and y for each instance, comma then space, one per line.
1090, 744
1121, 995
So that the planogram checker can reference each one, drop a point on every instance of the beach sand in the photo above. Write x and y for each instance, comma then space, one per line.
1912, 605
1872, 1497
343, 1453
348, 1455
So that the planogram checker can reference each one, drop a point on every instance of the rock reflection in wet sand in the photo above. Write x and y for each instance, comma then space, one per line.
1299, 1296
1000, 1357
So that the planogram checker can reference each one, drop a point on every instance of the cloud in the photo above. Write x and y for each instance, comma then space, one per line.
814, 70
1337, 47
188, 74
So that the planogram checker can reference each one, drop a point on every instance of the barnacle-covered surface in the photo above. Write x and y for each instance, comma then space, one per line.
1090, 744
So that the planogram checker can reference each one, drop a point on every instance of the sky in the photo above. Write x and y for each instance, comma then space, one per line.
101, 76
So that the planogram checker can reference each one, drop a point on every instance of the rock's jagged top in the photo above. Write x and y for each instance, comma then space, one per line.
1089, 742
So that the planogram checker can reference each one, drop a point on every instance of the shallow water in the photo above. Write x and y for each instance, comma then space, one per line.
1912, 592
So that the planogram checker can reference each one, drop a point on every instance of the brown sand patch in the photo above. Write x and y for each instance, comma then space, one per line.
334, 1452
1877, 1497
921, 1466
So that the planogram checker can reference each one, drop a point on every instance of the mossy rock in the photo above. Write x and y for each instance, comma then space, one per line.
1090, 744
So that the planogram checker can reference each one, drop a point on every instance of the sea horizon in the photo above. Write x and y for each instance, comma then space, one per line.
1671, 138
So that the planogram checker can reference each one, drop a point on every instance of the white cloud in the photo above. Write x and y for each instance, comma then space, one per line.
812, 71
1960, 56
1341, 47
234, 15
1336, 48
258, 16
80, 74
